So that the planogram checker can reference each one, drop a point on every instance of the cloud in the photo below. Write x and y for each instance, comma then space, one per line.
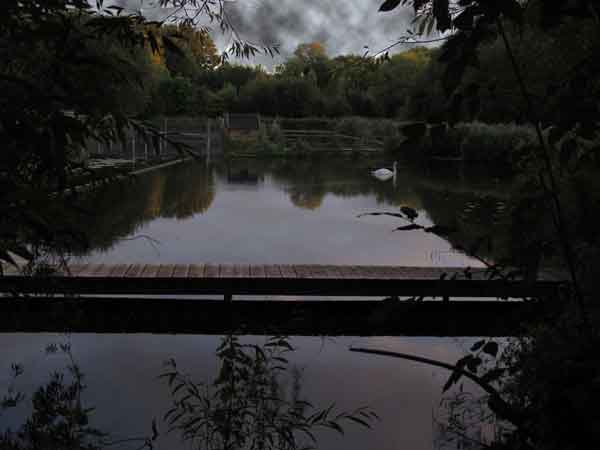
343, 26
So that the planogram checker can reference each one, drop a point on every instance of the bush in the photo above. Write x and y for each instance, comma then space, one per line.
274, 133
354, 126
497, 143
335, 106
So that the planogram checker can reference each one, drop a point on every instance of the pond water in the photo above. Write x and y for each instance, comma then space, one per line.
305, 212
250, 211
123, 385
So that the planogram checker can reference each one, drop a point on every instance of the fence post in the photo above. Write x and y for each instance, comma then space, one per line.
133, 148
165, 132
208, 139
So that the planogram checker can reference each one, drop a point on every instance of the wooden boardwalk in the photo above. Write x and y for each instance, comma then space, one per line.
300, 280
121, 299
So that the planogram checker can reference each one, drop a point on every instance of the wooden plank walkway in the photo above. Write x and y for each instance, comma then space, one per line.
301, 280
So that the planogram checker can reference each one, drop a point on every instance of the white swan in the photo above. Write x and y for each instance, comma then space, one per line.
385, 174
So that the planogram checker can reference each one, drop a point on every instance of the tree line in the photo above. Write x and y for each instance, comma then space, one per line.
185, 75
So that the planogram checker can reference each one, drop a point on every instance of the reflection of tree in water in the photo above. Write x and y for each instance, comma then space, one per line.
311, 197
245, 407
180, 192
188, 193
478, 211
120, 209
309, 181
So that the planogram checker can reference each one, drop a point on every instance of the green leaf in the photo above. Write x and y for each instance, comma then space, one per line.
455, 376
382, 214
491, 348
554, 135
492, 375
409, 212
154, 430
414, 130
359, 421
389, 5
21, 251
440, 230
474, 363
477, 345
464, 21
567, 150
512, 9
441, 12
335, 426
5, 256
412, 226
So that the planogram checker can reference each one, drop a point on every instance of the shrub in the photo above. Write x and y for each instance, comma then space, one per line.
274, 133
497, 143
353, 126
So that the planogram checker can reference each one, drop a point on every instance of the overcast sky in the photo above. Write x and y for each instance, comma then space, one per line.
343, 26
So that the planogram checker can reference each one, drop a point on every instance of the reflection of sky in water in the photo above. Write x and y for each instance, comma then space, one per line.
121, 372
292, 216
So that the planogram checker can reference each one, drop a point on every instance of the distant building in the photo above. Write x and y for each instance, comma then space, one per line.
242, 126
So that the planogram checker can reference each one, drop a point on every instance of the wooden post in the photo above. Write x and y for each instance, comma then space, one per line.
165, 132
208, 139
133, 148
228, 297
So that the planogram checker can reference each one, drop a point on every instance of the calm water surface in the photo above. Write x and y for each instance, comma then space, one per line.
249, 211
121, 372
256, 212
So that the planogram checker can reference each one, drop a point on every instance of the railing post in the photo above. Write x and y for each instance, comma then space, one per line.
228, 297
